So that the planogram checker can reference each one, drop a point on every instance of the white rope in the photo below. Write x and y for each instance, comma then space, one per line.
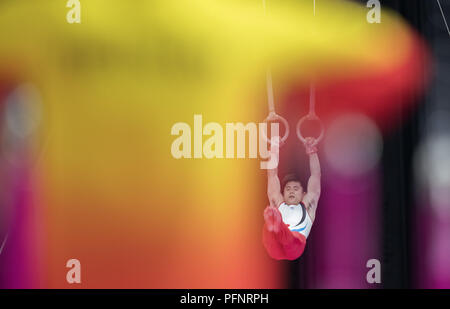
3, 244
270, 100
269, 85
312, 100
443, 16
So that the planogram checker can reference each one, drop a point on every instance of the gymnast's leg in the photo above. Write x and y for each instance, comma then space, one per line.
279, 241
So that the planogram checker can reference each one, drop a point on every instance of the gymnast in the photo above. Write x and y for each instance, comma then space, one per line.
291, 213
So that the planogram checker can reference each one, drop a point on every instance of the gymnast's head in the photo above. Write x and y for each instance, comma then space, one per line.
292, 189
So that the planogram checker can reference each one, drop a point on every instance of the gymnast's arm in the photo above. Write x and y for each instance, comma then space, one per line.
273, 184
311, 198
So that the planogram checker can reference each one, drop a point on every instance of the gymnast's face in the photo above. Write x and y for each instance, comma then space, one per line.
293, 193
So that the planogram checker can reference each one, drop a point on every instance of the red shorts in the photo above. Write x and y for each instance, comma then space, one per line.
283, 244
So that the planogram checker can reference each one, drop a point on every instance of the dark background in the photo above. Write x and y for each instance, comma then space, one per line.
399, 236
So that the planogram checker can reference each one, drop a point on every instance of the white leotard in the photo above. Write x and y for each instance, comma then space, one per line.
292, 216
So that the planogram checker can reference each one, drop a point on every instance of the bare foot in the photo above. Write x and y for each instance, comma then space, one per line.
273, 219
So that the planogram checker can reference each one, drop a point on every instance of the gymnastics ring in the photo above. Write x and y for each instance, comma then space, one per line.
274, 116
299, 131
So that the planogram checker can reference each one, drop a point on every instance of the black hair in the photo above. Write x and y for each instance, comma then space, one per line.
289, 178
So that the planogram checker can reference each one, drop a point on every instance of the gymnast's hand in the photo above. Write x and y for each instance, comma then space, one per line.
310, 145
